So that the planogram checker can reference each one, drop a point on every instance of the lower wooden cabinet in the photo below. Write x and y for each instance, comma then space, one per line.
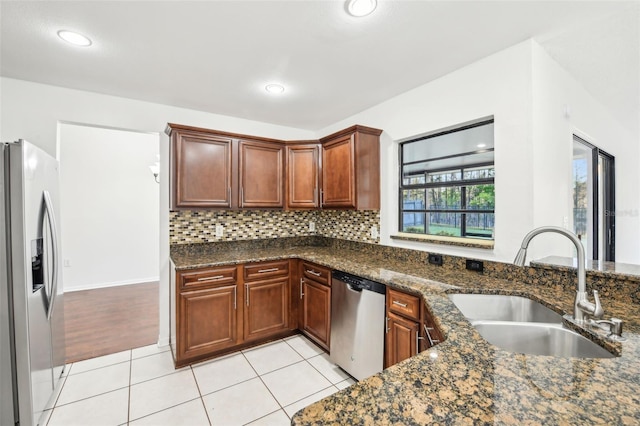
208, 321
410, 328
401, 341
218, 310
222, 309
316, 311
315, 303
266, 309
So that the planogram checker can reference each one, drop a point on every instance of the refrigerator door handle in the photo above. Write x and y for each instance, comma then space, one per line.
54, 239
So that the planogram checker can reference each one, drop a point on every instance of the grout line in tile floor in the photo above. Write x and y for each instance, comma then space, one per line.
129, 388
313, 353
195, 379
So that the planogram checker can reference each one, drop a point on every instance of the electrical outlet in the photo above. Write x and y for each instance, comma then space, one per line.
435, 259
312, 226
219, 231
475, 265
374, 232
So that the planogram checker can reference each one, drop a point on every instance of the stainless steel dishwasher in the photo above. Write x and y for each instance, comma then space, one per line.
357, 324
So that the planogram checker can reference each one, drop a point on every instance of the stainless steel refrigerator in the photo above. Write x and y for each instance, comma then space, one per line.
32, 353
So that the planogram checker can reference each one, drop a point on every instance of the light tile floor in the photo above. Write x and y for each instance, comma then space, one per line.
265, 385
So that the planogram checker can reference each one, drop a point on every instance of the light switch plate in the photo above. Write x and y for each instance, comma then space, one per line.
219, 231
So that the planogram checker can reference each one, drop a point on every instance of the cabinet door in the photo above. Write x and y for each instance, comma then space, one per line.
316, 311
261, 174
202, 171
208, 321
338, 179
266, 308
432, 335
401, 338
302, 177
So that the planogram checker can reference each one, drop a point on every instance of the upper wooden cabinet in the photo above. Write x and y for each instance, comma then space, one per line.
303, 178
261, 174
201, 171
351, 169
214, 169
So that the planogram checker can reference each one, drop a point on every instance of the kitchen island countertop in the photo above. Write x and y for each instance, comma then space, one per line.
466, 380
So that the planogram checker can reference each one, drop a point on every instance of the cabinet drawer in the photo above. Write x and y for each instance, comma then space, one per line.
403, 304
208, 277
316, 273
259, 271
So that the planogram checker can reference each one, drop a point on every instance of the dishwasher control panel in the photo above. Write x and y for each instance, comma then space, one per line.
358, 283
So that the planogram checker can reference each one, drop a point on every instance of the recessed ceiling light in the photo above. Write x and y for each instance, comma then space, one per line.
74, 38
481, 145
274, 89
361, 7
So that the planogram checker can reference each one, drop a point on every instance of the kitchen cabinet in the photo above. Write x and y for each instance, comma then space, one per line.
402, 337
410, 327
351, 169
201, 170
261, 174
303, 180
211, 169
207, 312
315, 297
222, 309
266, 308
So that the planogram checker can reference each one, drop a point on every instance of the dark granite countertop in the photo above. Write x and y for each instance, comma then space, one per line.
466, 380
599, 267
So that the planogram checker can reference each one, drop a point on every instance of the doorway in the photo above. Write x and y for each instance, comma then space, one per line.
593, 199
110, 236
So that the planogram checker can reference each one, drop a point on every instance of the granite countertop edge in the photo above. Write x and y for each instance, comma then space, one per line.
456, 381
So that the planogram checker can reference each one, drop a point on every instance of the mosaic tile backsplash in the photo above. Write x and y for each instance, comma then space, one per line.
199, 226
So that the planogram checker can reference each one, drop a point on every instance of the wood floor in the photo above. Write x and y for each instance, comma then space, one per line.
108, 320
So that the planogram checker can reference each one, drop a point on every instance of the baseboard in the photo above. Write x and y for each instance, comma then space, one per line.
111, 284
163, 341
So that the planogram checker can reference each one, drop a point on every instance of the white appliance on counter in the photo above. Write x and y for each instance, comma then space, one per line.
32, 346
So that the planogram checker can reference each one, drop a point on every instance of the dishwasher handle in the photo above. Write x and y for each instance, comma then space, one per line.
353, 288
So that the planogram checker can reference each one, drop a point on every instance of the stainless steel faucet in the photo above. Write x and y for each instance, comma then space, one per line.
582, 308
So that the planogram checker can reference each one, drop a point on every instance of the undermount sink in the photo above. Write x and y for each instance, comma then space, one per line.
499, 307
521, 325
539, 339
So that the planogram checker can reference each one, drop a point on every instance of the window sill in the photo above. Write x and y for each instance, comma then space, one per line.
450, 241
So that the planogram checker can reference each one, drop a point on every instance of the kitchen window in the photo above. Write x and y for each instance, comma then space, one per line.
447, 182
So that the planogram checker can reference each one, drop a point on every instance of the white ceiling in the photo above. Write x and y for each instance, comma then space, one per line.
217, 56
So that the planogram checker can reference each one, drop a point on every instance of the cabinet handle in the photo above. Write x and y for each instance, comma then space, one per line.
246, 288
404, 305
262, 271
321, 197
301, 287
386, 325
217, 277
235, 297
418, 338
432, 342
317, 274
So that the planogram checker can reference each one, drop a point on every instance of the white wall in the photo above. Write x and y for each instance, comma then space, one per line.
499, 85
109, 207
562, 108
32, 111
525, 91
